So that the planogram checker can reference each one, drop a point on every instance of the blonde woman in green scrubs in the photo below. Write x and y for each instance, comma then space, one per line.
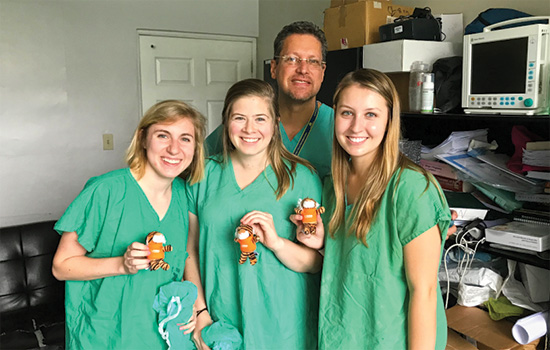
102, 255
255, 181
388, 220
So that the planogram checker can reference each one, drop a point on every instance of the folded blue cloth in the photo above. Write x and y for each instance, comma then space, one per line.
222, 336
174, 304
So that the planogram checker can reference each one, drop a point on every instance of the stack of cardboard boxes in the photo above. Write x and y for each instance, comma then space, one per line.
354, 23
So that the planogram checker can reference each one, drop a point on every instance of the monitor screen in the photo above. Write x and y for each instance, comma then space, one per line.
499, 67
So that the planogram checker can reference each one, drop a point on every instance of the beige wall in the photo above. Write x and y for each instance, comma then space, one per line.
68, 74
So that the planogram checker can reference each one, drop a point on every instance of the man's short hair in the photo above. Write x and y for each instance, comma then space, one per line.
300, 27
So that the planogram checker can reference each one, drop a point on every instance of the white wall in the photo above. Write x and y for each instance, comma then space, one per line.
68, 74
275, 14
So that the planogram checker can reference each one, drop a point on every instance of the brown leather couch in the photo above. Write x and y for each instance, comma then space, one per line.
32, 313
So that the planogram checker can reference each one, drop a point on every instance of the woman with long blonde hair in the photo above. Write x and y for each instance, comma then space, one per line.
272, 298
388, 218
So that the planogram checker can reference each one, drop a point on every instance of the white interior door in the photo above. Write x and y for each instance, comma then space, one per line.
197, 69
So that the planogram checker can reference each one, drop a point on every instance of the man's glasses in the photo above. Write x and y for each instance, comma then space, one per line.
294, 61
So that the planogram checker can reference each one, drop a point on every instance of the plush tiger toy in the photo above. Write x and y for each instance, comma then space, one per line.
155, 241
309, 208
245, 236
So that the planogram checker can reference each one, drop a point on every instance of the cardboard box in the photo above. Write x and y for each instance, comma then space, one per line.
356, 24
336, 3
456, 342
398, 55
401, 82
488, 334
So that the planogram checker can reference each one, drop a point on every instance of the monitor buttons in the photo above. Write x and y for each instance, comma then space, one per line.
528, 102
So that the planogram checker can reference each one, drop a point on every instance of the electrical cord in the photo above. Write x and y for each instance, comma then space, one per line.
464, 262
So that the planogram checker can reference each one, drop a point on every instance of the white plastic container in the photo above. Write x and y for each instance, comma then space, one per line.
427, 93
415, 85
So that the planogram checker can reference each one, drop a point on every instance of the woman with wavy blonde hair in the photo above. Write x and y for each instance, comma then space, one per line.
102, 253
379, 286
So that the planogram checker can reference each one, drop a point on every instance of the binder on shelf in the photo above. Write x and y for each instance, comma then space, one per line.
533, 197
499, 161
504, 199
439, 168
542, 175
532, 216
454, 184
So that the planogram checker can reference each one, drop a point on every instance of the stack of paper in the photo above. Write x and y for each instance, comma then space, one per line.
539, 158
457, 142
490, 174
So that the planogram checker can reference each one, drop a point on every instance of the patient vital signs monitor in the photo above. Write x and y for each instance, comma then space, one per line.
507, 71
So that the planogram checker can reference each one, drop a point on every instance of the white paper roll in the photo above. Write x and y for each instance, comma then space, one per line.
530, 328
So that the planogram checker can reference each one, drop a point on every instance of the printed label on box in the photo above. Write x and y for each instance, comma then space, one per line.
344, 43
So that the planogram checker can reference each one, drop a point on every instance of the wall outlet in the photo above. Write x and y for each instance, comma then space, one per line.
108, 144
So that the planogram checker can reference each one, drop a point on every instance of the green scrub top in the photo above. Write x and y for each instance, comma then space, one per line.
272, 306
108, 215
364, 295
317, 148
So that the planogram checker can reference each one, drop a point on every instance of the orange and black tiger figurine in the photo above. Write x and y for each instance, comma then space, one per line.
309, 209
155, 241
247, 239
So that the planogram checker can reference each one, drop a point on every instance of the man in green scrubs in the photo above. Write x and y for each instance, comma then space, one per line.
298, 65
